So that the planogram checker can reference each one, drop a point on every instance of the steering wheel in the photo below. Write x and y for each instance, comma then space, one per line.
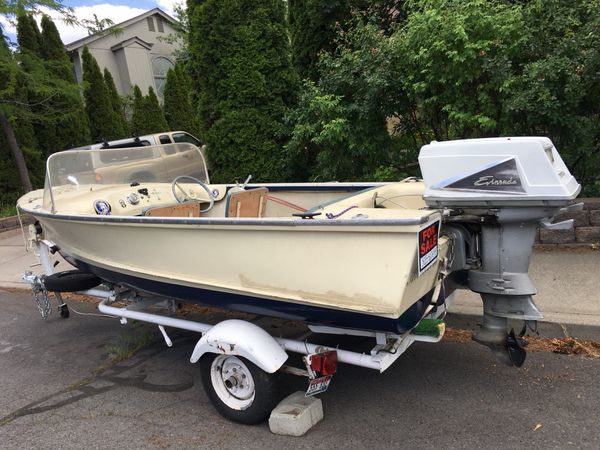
187, 198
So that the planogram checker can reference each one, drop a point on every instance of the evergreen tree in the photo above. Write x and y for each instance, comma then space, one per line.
28, 34
155, 118
26, 91
9, 175
53, 51
19, 82
138, 115
179, 112
22, 119
116, 104
66, 124
242, 72
147, 116
312, 30
103, 125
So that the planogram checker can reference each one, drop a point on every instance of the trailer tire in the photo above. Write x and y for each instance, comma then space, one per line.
71, 281
239, 390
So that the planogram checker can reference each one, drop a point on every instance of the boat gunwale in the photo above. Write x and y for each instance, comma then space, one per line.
289, 222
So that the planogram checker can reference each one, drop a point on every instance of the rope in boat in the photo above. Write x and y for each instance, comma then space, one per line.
335, 216
286, 203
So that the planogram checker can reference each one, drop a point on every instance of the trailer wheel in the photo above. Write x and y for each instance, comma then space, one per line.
238, 389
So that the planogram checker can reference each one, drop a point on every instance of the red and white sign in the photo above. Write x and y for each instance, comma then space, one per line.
428, 246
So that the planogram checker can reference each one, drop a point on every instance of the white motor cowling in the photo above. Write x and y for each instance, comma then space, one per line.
495, 171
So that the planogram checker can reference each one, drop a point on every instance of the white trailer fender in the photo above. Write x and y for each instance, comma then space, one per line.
238, 337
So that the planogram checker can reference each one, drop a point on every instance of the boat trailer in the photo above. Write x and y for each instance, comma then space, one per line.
233, 353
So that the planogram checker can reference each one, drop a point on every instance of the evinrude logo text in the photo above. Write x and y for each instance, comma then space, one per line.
491, 181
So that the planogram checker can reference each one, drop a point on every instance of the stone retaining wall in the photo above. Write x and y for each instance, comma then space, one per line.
10, 223
586, 230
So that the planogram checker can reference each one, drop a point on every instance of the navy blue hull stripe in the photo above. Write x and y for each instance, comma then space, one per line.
265, 307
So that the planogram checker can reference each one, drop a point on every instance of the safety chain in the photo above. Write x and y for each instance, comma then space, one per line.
40, 294
449, 255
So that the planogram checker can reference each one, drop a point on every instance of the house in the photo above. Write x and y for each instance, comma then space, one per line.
137, 54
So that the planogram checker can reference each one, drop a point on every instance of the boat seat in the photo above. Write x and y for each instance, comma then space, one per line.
250, 203
185, 209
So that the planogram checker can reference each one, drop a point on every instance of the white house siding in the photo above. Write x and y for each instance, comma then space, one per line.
128, 56
140, 66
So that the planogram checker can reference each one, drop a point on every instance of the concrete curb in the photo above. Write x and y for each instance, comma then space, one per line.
545, 328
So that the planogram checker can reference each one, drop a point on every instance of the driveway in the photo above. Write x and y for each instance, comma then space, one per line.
62, 390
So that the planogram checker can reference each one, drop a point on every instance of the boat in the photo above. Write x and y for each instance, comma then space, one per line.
322, 253
366, 259
369, 256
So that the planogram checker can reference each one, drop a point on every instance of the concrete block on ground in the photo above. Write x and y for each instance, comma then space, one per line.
557, 236
588, 234
296, 414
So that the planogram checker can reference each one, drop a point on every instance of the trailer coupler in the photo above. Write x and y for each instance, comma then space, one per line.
41, 297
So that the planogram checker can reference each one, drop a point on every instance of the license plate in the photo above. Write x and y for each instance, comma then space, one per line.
318, 385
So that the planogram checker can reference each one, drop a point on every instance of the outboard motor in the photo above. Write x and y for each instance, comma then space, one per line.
494, 193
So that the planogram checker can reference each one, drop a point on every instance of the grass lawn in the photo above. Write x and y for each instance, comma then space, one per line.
7, 210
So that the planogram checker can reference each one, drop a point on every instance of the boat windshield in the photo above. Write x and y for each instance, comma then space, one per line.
159, 164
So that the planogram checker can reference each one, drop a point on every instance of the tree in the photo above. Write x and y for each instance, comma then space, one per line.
24, 69
8, 70
28, 34
557, 92
52, 50
241, 71
65, 124
116, 104
155, 118
13, 79
456, 61
96, 25
179, 112
340, 125
313, 26
138, 114
103, 124
147, 116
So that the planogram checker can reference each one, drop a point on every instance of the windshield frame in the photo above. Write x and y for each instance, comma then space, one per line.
121, 166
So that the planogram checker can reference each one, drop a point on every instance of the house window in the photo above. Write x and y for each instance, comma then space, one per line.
160, 67
159, 25
150, 24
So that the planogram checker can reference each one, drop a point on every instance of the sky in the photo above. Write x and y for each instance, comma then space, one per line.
116, 10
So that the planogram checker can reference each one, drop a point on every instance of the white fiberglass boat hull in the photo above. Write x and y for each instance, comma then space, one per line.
347, 266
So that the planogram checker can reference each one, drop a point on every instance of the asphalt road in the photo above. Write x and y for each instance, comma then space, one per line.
446, 395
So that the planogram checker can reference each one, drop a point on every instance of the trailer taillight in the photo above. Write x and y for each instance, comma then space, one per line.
324, 363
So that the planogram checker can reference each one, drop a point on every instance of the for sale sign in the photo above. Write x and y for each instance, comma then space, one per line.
428, 246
